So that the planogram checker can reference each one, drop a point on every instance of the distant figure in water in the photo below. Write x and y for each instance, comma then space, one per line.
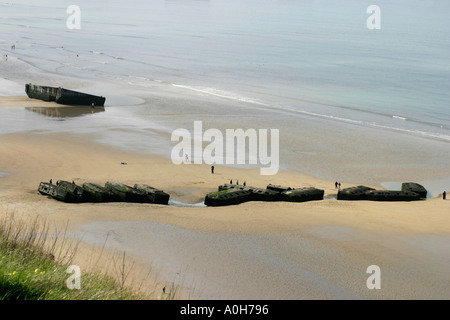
444, 195
212, 169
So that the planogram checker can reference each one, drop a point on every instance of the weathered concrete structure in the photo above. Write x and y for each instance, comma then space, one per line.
302, 195
154, 195
56, 192
354, 193
229, 194
232, 196
63, 96
387, 195
97, 193
278, 188
228, 186
414, 187
77, 192
259, 194
127, 193
111, 192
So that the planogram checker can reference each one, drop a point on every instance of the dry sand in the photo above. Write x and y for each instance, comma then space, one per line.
24, 101
256, 250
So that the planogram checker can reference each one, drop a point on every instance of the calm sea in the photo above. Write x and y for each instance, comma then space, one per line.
313, 57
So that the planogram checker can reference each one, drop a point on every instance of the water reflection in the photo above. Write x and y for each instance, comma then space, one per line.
65, 112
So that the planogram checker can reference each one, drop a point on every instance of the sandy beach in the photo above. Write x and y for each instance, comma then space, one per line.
256, 250
336, 124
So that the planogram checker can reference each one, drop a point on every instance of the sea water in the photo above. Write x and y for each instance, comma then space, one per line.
313, 59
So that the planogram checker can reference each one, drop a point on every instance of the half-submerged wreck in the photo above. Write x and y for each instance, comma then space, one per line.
390, 195
75, 191
155, 195
415, 187
57, 192
228, 197
63, 96
97, 193
410, 192
354, 193
111, 192
230, 194
302, 195
258, 194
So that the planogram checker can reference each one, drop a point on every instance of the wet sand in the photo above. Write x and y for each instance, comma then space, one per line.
24, 101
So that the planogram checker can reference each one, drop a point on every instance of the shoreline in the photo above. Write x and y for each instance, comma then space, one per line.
141, 120
436, 184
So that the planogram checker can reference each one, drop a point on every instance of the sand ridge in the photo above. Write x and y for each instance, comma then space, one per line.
24, 101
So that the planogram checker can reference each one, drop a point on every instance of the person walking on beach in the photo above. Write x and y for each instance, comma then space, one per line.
335, 185
212, 169
444, 195
231, 181
245, 183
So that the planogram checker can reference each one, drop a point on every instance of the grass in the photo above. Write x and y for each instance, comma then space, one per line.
34, 266
218, 193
